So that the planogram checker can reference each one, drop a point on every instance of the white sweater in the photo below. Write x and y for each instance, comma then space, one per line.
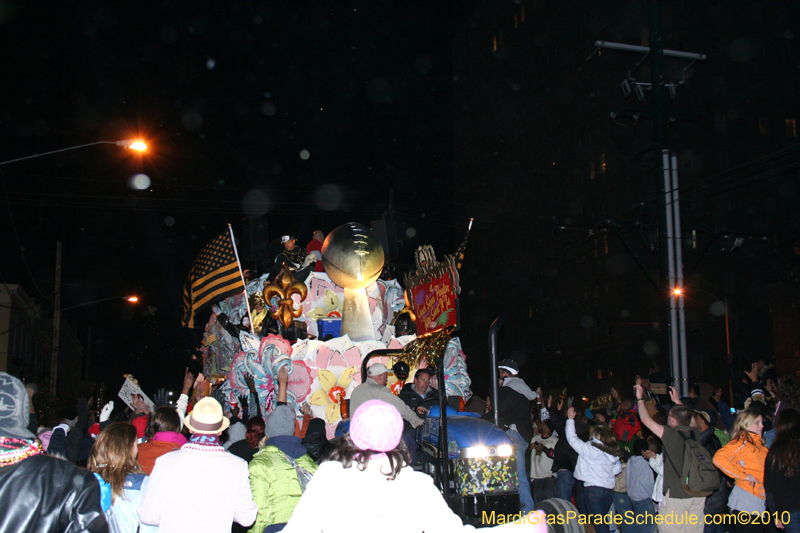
194, 490
410, 503
541, 464
595, 467
657, 464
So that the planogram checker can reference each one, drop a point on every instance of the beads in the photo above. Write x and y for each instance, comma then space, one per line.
12, 451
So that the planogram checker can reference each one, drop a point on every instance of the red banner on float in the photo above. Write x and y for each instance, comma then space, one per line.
434, 304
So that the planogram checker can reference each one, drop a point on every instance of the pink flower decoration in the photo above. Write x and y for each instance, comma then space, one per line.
300, 380
394, 344
327, 358
281, 344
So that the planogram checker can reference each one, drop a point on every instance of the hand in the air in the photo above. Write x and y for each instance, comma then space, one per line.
105, 413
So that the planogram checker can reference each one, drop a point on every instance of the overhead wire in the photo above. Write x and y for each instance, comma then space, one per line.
19, 242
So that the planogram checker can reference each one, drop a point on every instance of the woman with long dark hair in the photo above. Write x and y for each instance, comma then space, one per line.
782, 472
743, 460
122, 481
163, 436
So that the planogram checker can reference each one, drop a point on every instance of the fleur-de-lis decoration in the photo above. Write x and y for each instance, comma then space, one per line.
284, 287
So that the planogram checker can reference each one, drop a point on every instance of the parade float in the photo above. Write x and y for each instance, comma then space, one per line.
343, 320
346, 313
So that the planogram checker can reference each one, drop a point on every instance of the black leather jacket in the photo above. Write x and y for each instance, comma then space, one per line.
49, 495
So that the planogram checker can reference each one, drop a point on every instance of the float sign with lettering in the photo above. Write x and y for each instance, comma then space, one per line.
434, 304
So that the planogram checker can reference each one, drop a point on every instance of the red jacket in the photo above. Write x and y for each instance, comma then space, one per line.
315, 246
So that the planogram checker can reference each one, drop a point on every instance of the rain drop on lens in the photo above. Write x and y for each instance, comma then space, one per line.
140, 182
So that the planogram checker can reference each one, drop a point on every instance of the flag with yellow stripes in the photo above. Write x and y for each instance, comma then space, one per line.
462, 250
214, 277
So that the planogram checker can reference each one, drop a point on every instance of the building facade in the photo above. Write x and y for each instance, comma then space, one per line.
555, 157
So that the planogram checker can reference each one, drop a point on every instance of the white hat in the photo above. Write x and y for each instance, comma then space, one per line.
377, 369
207, 418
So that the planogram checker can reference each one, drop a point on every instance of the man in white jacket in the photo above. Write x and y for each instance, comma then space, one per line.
183, 482
543, 479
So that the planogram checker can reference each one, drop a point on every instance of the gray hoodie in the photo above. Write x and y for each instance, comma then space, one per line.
521, 387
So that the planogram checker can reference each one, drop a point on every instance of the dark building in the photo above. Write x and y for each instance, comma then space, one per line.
26, 343
555, 158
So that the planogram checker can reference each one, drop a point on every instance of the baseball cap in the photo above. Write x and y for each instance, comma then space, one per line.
709, 416
287, 238
377, 369
510, 366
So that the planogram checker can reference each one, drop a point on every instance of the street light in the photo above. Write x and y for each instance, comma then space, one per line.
57, 333
131, 299
131, 144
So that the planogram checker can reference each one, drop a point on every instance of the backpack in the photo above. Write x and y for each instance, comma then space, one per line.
699, 477
626, 426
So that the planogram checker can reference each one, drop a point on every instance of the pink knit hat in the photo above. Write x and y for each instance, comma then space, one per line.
377, 426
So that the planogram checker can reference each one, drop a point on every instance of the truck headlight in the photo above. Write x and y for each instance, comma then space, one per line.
505, 450
474, 452
486, 452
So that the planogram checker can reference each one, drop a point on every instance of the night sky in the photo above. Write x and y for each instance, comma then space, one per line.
296, 115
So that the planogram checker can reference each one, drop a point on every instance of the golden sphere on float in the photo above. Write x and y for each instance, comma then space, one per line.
353, 256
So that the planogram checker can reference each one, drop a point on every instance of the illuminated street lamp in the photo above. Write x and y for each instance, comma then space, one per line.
131, 144
135, 145
131, 299
57, 333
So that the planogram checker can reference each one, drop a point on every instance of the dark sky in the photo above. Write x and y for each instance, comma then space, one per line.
228, 95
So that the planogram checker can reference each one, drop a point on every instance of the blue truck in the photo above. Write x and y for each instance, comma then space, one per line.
471, 460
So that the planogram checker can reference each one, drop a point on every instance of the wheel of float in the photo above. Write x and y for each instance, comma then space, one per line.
557, 506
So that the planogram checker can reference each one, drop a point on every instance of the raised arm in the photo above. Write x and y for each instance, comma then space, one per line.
283, 381
647, 420
557, 421
572, 438
183, 400
253, 403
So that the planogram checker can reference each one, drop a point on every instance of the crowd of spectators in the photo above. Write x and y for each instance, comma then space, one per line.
198, 465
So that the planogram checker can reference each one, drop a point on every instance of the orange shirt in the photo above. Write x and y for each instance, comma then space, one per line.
150, 451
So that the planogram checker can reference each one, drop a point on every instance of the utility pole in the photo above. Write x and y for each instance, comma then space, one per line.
678, 244
666, 174
56, 323
666, 224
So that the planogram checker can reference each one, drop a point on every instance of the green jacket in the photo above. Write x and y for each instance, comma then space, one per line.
273, 481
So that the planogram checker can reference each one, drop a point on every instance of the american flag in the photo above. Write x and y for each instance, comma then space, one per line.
214, 276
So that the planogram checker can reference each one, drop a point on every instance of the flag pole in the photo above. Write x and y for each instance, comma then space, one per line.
462, 250
239, 264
